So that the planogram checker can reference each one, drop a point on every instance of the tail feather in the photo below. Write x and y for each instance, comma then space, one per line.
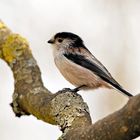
118, 87
123, 91
115, 84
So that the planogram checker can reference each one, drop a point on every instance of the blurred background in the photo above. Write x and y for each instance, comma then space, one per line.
109, 28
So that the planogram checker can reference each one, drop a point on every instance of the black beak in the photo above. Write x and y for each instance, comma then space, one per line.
51, 41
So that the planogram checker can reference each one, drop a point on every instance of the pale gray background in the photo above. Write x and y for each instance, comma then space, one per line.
110, 29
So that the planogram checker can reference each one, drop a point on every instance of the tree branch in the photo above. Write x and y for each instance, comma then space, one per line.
65, 108
30, 96
121, 125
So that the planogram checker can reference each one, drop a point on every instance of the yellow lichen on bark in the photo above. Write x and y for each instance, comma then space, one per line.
4, 31
0, 54
13, 47
2, 25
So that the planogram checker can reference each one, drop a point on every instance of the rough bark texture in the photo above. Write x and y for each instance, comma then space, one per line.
121, 125
65, 108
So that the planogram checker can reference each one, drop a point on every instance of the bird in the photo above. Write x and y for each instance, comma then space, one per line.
79, 66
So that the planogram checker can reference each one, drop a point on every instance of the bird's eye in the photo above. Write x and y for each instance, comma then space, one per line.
60, 40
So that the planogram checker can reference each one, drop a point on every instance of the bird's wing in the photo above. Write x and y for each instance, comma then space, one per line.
93, 65
85, 59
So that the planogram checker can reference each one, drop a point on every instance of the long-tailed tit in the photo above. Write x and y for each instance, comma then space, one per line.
77, 64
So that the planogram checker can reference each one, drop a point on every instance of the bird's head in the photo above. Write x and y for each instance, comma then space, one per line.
65, 40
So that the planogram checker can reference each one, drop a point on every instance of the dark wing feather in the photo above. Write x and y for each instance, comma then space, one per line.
97, 68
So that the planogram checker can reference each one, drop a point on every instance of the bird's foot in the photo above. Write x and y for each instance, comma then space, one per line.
78, 88
66, 90
72, 90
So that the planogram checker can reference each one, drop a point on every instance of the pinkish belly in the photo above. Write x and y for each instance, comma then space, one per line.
78, 75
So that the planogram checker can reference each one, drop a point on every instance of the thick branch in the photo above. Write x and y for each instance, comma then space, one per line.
121, 125
30, 96
64, 108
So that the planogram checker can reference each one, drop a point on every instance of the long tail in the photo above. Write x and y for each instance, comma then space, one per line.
120, 88
117, 86
123, 90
